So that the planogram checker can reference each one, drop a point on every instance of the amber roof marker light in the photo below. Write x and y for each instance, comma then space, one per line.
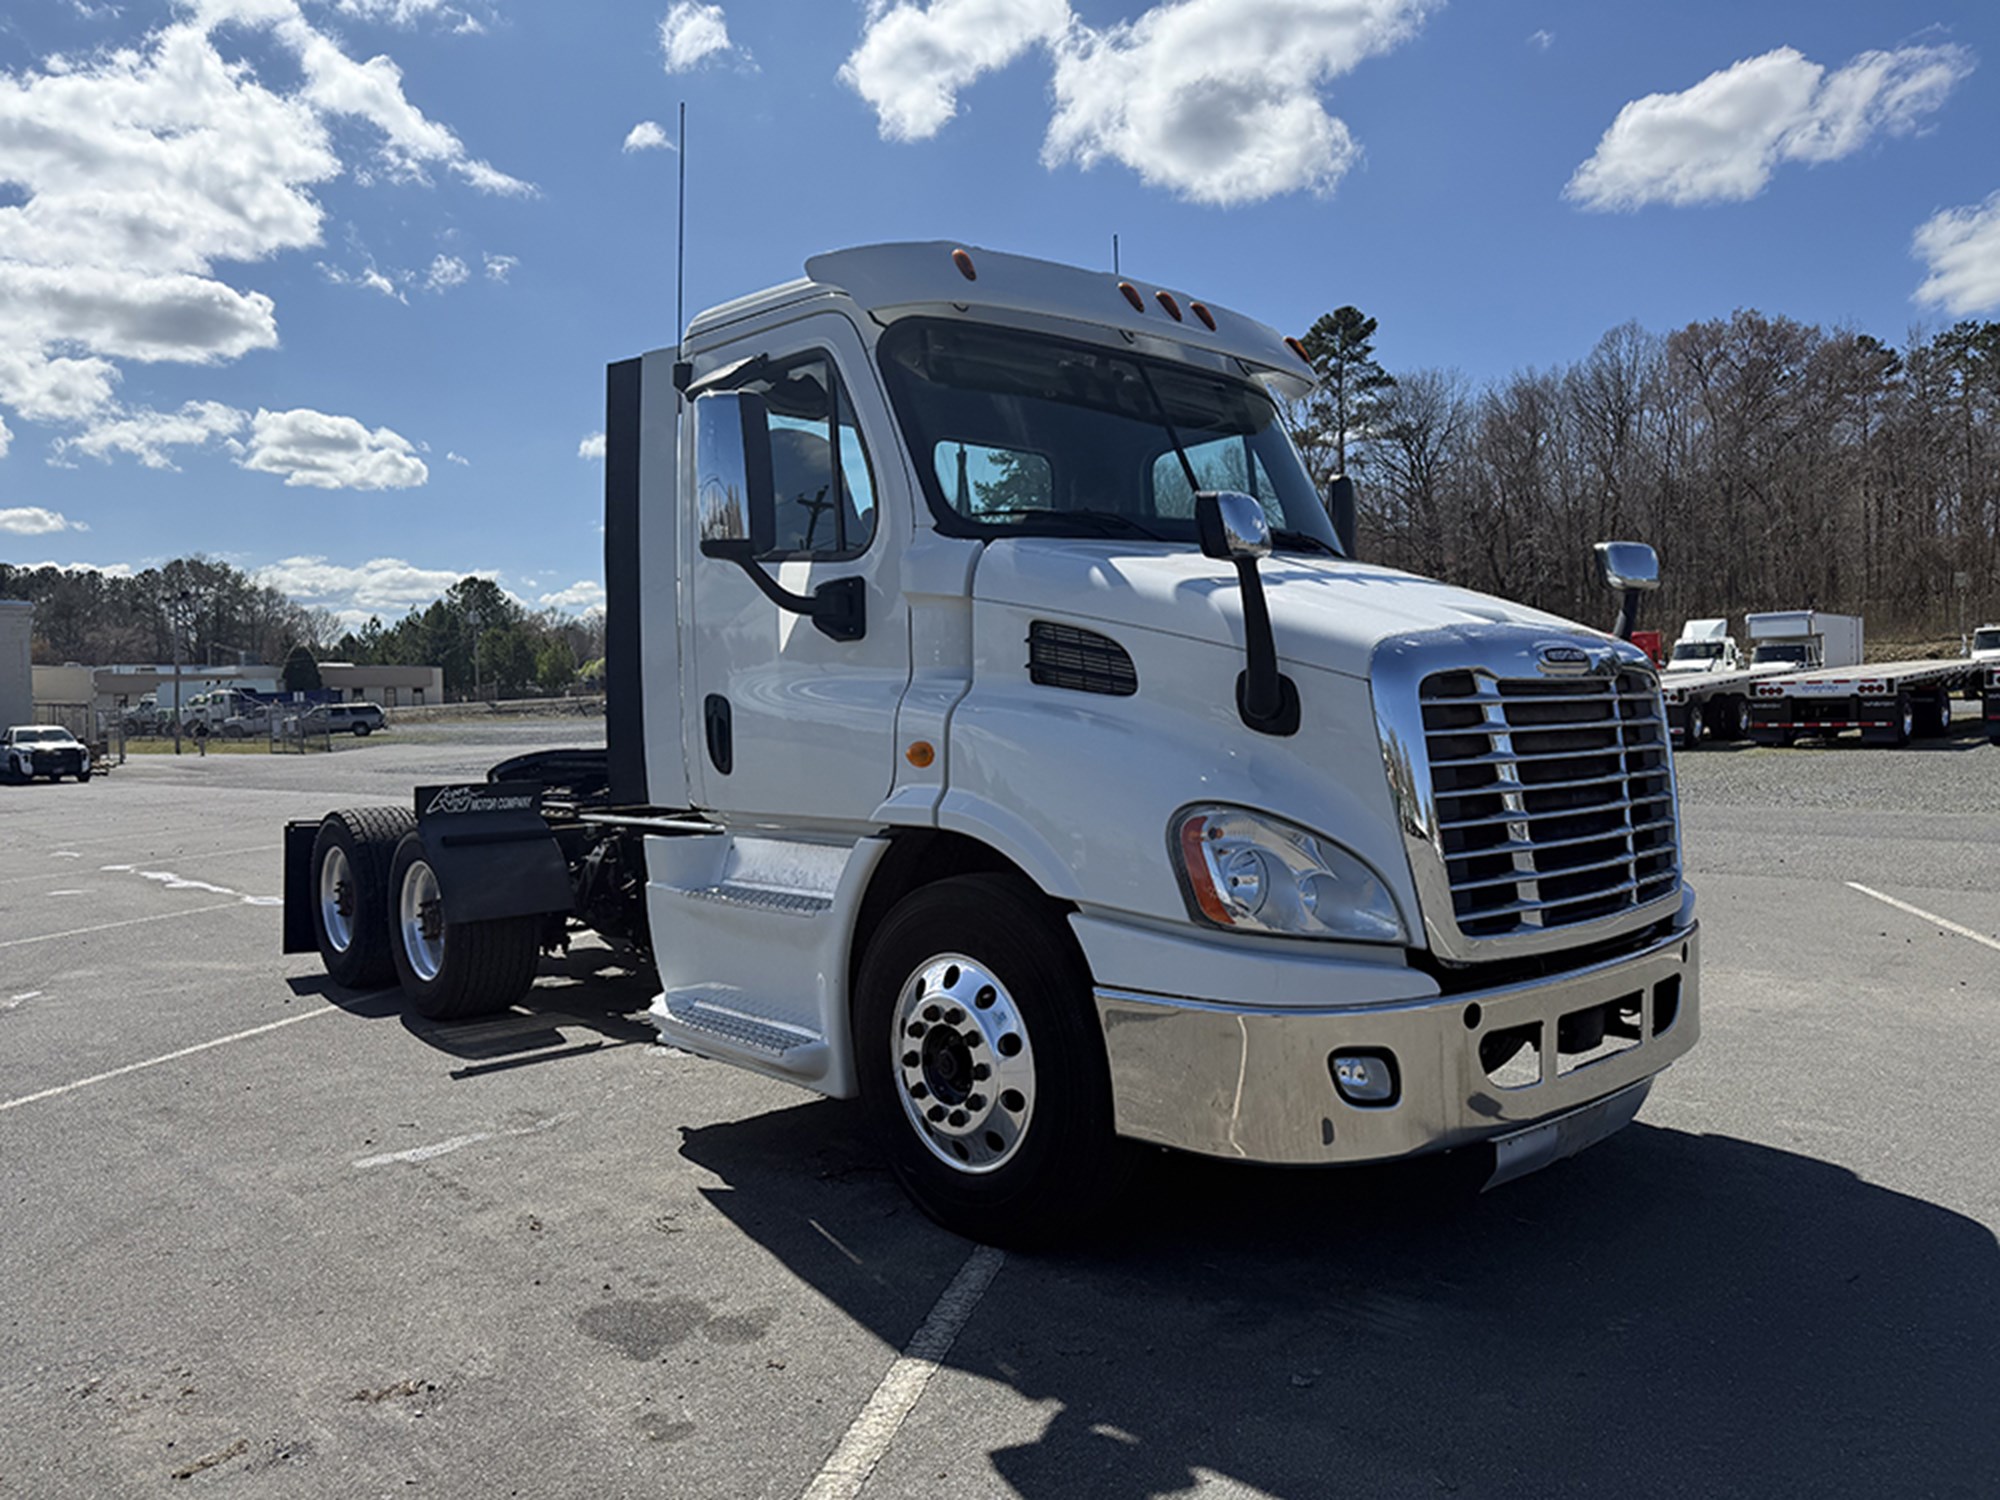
1297, 348
1166, 300
965, 266
1132, 296
1200, 310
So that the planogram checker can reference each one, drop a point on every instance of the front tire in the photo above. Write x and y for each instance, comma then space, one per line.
452, 970
1696, 726
981, 1064
350, 878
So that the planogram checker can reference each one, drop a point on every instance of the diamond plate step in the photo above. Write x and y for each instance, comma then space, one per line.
726, 1017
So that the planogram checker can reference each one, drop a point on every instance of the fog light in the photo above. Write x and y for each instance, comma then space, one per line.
1365, 1078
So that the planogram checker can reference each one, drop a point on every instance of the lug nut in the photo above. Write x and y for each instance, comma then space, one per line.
934, 1113
916, 1028
957, 1117
932, 1013
919, 1091
981, 1072
975, 1101
953, 1016
911, 1059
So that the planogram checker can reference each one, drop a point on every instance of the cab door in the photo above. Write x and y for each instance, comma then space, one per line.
784, 721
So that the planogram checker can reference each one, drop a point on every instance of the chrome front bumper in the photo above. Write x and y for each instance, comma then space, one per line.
1257, 1083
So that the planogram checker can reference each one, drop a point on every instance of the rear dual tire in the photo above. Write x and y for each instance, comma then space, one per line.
453, 970
352, 853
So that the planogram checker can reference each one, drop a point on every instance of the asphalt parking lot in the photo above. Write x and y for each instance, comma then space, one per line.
268, 1237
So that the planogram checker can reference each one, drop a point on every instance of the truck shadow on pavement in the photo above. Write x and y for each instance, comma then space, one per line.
1669, 1314
581, 1002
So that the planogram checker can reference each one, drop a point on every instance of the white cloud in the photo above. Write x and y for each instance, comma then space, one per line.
457, 458
33, 520
409, 12
368, 277
6, 439
692, 32
1721, 140
139, 170
147, 435
383, 585
312, 449
583, 594
913, 59
1215, 100
647, 136
446, 272
1541, 41
591, 447
500, 267
1961, 249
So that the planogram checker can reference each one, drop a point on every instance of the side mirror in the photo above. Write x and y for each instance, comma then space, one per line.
1342, 511
1628, 565
1231, 525
733, 485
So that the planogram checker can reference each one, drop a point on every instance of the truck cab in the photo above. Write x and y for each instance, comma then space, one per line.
1003, 730
1705, 646
951, 632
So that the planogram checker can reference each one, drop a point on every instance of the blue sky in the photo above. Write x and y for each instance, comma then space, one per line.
326, 287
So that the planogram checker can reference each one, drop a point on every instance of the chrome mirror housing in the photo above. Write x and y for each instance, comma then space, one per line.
726, 489
1231, 525
1628, 565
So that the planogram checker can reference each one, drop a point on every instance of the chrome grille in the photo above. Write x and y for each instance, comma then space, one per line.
1553, 798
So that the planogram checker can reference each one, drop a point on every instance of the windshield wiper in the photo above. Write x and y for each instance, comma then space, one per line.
1084, 522
1302, 541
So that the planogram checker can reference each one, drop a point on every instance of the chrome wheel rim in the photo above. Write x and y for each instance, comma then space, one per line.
420, 916
964, 1067
336, 899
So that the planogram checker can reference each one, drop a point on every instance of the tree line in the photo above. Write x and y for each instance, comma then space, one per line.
1773, 464
488, 643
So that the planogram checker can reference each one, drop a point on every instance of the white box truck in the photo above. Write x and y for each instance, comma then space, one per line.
1000, 729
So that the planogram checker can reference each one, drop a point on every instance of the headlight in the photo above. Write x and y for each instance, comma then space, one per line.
1252, 873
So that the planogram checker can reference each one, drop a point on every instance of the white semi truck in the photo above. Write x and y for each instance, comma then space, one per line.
999, 729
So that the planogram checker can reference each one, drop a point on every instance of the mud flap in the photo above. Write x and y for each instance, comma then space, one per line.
493, 853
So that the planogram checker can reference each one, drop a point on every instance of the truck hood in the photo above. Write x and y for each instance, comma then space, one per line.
1326, 612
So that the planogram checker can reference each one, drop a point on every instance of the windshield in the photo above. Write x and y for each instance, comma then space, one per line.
1795, 652
1020, 433
1698, 651
1986, 640
41, 736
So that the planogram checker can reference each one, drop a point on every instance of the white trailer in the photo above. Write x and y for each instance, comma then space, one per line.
1001, 730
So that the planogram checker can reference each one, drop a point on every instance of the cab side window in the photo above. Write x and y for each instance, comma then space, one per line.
823, 490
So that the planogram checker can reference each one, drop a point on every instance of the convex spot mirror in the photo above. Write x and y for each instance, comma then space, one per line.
732, 465
1231, 525
1628, 565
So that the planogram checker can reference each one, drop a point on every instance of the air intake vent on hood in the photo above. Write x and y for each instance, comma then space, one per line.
1063, 656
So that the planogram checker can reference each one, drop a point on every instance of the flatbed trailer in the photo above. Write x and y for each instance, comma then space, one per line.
1890, 702
1704, 706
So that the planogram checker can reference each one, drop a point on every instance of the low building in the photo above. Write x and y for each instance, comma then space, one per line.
123, 686
392, 687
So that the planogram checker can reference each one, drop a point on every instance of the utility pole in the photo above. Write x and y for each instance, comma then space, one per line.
174, 619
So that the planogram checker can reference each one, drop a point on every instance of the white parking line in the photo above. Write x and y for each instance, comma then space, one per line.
154, 1062
165, 916
1918, 911
864, 1443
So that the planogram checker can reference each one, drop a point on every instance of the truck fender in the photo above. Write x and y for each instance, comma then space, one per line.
1010, 835
493, 853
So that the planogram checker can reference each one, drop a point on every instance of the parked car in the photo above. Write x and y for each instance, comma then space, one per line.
255, 721
343, 718
31, 750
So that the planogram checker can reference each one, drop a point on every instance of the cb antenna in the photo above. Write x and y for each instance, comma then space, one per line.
680, 236
1114, 255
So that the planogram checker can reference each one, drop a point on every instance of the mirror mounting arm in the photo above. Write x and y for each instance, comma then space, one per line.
837, 608
1232, 529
